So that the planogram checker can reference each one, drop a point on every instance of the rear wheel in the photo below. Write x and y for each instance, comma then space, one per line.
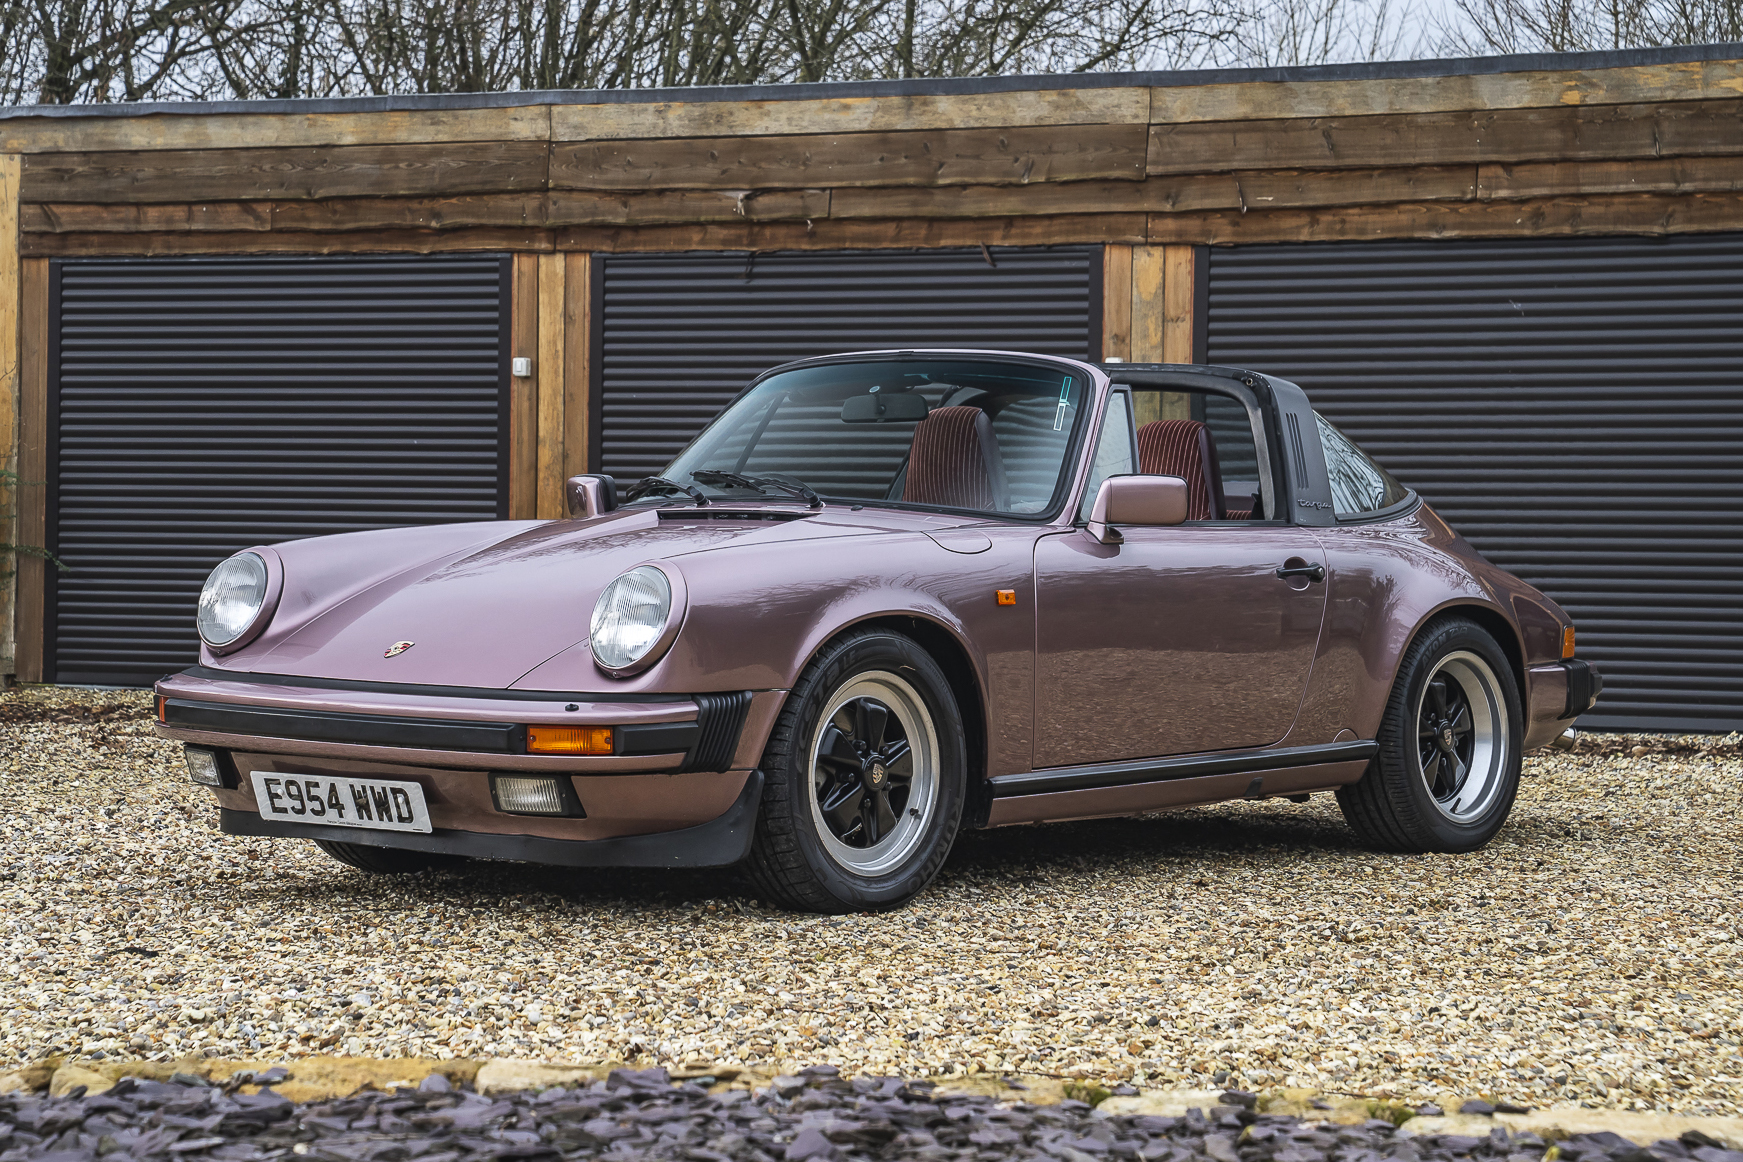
1448, 767
386, 860
863, 780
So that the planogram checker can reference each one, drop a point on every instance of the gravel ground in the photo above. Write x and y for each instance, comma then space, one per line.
1593, 953
813, 1117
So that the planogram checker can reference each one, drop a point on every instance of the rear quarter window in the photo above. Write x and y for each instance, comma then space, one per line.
1358, 485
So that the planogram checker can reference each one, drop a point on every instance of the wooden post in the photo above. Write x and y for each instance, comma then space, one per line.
32, 464
10, 171
1153, 269
549, 372
1116, 302
523, 416
577, 363
1179, 291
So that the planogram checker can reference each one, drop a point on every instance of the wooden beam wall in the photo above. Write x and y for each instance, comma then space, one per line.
9, 172
1649, 149
32, 463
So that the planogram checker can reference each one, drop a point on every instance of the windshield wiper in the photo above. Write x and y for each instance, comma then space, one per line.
760, 483
649, 484
792, 487
724, 479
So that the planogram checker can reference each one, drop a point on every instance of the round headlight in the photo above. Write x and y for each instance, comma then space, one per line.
630, 618
232, 598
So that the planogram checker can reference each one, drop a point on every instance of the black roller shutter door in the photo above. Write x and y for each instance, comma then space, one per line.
1573, 407
200, 406
684, 333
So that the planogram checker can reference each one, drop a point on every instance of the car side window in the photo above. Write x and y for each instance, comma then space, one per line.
1358, 484
1116, 453
1207, 440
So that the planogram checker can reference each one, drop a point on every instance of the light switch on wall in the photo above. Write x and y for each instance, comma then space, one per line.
521, 366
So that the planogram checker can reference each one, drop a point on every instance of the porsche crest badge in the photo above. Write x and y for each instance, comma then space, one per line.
397, 648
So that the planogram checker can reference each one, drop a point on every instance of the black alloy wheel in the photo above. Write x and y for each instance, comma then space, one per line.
1450, 747
864, 779
865, 773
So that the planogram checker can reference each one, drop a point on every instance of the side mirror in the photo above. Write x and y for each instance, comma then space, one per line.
1136, 500
590, 495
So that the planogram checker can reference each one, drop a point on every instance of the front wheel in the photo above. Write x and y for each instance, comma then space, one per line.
863, 779
1450, 744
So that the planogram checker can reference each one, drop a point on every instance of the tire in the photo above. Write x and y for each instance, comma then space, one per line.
1429, 790
845, 827
386, 860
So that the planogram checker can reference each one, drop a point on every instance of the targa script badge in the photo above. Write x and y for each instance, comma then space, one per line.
397, 648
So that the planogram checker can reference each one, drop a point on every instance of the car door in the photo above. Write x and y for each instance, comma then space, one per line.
1180, 639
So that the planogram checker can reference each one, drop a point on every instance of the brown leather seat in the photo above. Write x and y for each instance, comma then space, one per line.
1184, 448
955, 461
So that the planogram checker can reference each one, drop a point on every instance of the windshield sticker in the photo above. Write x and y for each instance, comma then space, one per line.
1064, 402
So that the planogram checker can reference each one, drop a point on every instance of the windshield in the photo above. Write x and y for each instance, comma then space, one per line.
984, 435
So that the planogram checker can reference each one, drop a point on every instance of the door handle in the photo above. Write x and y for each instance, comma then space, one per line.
1311, 572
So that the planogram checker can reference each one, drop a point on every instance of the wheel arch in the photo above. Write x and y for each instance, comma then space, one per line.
1493, 622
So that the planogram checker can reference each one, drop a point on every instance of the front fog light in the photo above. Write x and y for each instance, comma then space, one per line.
535, 795
203, 767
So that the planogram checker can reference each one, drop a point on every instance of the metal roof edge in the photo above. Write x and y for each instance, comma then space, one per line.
924, 87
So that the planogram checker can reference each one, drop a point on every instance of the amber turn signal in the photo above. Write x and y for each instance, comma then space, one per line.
160, 702
1007, 597
569, 740
1567, 642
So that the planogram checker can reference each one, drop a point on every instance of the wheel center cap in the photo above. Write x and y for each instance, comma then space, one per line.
1446, 737
875, 776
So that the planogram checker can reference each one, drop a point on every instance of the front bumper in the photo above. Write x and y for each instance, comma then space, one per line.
682, 762
720, 842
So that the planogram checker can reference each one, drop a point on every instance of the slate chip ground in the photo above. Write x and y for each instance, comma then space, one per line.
816, 1116
1592, 953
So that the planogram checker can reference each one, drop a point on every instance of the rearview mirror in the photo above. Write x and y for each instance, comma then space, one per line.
884, 408
1136, 500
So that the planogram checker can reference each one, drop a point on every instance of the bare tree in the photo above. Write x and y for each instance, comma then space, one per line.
1512, 26
1277, 33
117, 50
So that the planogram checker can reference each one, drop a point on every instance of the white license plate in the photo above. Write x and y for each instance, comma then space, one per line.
382, 804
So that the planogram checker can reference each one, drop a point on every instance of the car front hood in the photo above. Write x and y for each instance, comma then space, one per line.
484, 615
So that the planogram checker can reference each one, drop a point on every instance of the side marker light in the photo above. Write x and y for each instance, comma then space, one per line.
1007, 597
1567, 642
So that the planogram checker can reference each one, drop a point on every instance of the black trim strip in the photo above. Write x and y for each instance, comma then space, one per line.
718, 843
498, 695
1185, 767
1584, 684
364, 729
657, 738
719, 720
